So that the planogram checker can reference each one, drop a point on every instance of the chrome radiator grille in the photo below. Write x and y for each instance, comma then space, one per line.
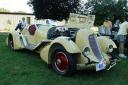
95, 46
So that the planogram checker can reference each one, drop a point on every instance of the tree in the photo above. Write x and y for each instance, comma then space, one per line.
111, 8
54, 9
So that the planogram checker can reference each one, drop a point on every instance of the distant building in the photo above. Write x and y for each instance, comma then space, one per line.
13, 18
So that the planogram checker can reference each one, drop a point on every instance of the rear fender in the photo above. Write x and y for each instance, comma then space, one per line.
16, 40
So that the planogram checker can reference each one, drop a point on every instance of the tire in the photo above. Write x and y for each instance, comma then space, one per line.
10, 42
63, 63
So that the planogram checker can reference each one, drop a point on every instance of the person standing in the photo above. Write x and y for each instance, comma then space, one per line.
108, 26
115, 29
116, 25
21, 25
122, 33
105, 29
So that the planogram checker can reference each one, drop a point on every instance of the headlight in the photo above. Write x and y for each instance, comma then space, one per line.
110, 48
86, 51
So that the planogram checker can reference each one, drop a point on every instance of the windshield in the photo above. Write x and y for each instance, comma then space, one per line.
39, 25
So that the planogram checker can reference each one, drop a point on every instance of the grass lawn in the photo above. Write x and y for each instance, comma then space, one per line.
27, 68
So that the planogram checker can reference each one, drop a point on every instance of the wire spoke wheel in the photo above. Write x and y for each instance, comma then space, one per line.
10, 42
62, 62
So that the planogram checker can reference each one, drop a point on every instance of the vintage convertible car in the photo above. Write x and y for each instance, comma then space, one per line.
65, 48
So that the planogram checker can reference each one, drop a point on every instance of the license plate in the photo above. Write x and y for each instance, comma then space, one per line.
100, 66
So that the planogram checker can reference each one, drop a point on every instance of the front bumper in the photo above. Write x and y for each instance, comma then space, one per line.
92, 66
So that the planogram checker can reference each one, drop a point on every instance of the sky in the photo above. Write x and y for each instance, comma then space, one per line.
15, 5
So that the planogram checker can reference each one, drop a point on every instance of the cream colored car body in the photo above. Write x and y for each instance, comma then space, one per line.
75, 37
40, 43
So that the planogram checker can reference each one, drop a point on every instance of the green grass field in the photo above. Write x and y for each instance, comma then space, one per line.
27, 68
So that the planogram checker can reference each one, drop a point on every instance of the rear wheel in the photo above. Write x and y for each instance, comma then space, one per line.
10, 42
63, 62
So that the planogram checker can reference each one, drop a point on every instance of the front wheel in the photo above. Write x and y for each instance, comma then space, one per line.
63, 62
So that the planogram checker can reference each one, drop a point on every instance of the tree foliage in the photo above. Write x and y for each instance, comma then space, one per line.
111, 8
60, 9
53, 9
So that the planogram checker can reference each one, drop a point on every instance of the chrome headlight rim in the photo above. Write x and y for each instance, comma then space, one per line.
110, 49
86, 51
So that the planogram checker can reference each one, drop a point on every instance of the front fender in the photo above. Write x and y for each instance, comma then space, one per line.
67, 43
105, 42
